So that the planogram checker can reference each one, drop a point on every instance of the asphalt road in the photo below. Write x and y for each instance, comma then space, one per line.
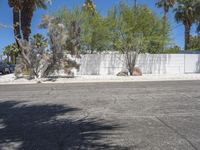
146, 116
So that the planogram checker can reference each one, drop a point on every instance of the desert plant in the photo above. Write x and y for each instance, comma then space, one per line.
40, 62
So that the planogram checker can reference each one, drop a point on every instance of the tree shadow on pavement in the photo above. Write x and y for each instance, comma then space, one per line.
37, 127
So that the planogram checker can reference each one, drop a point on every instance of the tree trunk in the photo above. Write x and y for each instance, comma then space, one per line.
131, 58
26, 18
16, 24
187, 36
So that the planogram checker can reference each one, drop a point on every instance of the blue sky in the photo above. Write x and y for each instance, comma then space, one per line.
6, 35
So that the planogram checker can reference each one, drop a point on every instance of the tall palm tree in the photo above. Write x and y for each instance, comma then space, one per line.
23, 13
185, 13
166, 5
29, 6
197, 15
16, 6
89, 6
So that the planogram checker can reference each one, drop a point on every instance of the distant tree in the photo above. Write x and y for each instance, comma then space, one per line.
166, 5
89, 6
39, 41
172, 50
11, 51
185, 13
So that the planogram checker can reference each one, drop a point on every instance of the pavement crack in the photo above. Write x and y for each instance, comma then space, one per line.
175, 131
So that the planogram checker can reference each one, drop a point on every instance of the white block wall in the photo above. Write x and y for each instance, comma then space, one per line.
111, 64
102, 64
192, 63
161, 64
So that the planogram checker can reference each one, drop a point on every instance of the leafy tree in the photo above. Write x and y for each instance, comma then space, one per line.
185, 13
94, 31
98, 33
194, 43
95, 34
133, 30
12, 52
126, 22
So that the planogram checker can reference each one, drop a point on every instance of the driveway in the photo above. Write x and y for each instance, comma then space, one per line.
136, 116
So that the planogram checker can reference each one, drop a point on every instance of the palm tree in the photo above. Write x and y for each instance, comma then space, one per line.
89, 6
16, 6
11, 51
39, 41
166, 5
23, 12
185, 13
29, 6
197, 15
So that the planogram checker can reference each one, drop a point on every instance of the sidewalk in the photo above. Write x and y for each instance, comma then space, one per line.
10, 79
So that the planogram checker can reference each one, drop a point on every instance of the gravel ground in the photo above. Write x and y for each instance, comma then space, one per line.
10, 79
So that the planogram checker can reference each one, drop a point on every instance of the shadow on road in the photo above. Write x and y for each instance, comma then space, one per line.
37, 127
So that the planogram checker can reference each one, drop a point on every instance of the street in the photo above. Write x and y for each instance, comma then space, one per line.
135, 116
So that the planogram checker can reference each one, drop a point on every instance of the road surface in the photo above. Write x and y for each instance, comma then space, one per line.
136, 116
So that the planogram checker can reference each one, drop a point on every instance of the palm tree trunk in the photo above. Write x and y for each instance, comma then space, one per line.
16, 24
187, 36
26, 18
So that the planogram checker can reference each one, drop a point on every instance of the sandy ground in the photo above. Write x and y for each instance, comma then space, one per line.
11, 79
